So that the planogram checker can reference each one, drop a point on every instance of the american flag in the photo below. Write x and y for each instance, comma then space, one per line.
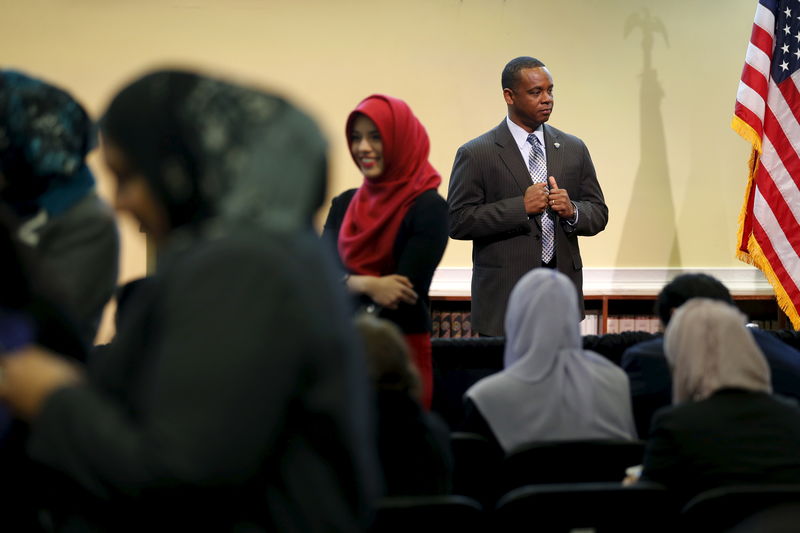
768, 115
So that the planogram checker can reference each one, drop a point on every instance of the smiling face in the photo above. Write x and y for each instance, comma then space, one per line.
530, 101
366, 146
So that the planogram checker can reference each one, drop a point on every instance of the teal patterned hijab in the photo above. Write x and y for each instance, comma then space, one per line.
45, 135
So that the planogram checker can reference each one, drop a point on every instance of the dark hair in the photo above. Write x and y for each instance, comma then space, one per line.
688, 286
387, 355
511, 71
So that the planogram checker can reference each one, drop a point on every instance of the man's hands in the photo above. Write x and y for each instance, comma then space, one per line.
538, 198
559, 200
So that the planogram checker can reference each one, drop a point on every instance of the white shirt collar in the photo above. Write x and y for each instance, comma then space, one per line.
521, 137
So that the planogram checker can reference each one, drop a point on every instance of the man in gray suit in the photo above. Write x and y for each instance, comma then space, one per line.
523, 207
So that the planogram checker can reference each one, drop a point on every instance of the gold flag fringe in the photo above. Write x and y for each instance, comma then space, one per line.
754, 255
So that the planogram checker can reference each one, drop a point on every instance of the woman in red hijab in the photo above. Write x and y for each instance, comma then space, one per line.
391, 232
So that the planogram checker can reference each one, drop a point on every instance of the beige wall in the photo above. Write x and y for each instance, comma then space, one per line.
672, 170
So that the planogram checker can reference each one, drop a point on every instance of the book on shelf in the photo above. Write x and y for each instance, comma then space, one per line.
444, 325
455, 325
621, 323
451, 324
655, 325
466, 325
626, 323
590, 325
766, 324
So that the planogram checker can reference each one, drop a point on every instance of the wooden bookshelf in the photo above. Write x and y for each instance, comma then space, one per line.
758, 307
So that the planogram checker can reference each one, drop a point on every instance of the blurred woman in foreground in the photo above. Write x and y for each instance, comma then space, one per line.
232, 397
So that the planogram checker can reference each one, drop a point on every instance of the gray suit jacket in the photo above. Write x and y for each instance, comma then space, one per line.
486, 206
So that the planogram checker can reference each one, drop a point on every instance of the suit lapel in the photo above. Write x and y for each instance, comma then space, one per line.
511, 157
555, 156
555, 166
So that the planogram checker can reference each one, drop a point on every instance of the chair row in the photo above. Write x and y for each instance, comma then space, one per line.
597, 507
484, 474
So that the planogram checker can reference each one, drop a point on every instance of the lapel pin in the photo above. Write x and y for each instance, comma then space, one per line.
557, 145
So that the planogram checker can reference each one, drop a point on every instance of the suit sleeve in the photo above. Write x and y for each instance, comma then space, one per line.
472, 215
592, 209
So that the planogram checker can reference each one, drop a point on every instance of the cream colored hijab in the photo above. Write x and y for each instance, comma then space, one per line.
709, 348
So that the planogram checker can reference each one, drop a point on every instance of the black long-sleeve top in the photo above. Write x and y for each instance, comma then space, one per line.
418, 248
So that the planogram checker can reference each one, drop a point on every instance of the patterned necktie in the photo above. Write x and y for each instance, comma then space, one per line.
538, 169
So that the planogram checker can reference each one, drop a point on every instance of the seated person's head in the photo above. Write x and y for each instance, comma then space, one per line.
684, 288
542, 319
45, 135
709, 348
388, 359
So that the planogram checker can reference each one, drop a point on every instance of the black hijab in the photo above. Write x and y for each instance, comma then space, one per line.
219, 153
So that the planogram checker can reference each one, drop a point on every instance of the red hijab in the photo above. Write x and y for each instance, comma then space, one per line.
373, 218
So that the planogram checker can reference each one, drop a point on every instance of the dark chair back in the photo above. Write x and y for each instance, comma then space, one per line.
722, 508
576, 461
598, 507
457, 365
475, 466
410, 514
613, 345
780, 519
